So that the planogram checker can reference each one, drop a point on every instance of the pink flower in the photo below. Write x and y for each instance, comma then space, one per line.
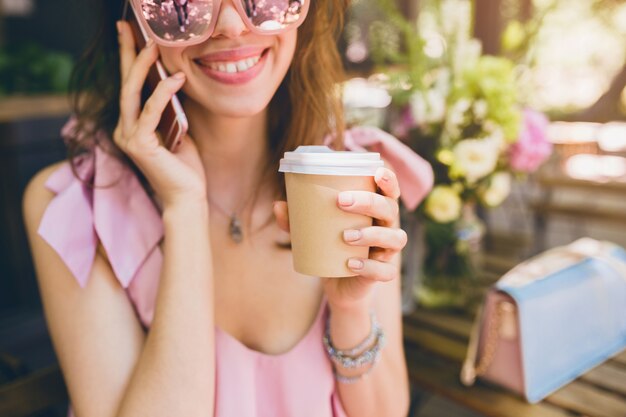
532, 148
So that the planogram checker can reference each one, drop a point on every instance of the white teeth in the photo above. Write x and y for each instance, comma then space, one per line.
242, 66
233, 67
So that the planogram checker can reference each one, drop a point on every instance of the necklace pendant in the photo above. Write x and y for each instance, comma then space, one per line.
235, 230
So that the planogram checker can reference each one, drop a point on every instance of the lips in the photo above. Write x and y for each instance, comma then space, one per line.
236, 78
231, 55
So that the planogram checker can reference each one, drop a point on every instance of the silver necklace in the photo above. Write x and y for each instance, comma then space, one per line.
234, 227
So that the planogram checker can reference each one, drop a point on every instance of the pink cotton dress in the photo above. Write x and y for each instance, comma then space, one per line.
298, 383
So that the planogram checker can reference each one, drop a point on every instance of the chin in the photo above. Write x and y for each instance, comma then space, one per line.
231, 106
238, 101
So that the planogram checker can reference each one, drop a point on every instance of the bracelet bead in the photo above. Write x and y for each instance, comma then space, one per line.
366, 352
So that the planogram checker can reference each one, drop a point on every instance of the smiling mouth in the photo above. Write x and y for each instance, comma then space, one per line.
233, 67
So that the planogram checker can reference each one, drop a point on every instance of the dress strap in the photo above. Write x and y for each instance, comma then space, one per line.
117, 211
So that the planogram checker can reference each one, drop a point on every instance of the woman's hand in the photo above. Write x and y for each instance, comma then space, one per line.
384, 238
176, 176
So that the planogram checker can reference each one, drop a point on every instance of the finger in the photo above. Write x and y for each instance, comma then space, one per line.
387, 181
369, 204
374, 270
128, 51
281, 213
156, 103
130, 96
186, 149
383, 255
376, 236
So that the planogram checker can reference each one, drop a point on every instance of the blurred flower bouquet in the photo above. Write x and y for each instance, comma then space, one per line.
460, 110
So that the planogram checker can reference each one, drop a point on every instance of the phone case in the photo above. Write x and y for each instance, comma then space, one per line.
173, 124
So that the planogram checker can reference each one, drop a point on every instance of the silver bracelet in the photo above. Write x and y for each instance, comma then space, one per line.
367, 352
361, 347
352, 379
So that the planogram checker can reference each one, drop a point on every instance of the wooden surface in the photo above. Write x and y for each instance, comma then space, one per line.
436, 344
551, 178
594, 200
18, 108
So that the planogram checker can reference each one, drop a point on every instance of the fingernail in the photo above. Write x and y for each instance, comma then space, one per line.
118, 24
355, 263
149, 43
351, 235
179, 75
346, 199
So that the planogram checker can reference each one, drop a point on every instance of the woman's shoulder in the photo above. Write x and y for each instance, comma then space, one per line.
93, 203
55, 209
37, 196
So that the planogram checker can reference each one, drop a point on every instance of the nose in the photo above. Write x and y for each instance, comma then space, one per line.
229, 23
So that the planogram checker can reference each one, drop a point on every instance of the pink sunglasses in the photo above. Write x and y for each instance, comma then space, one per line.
189, 22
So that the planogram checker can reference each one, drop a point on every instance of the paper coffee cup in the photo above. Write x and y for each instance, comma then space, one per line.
314, 176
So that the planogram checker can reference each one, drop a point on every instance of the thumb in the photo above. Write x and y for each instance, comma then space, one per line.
282, 215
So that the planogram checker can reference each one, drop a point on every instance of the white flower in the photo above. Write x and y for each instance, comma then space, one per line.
466, 54
456, 117
498, 190
429, 107
480, 109
458, 110
442, 81
443, 204
437, 102
476, 158
457, 19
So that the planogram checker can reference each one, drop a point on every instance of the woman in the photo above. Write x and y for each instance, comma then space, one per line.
135, 260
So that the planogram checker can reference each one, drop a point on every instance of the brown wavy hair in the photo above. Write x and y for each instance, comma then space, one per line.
303, 110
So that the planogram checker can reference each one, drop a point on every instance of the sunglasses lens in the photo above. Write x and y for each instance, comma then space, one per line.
177, 20
270, 15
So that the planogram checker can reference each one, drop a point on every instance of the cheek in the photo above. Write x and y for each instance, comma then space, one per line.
282, 58
172, 59
287, 49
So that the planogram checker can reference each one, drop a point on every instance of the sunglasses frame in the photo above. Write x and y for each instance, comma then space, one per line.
136, 5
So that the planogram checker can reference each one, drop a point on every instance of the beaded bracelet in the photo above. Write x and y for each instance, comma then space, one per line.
352, 379
361, 347
366, 352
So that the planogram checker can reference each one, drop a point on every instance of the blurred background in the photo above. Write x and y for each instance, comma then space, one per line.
519, 105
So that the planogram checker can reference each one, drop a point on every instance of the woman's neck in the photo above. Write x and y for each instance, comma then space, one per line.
233, 152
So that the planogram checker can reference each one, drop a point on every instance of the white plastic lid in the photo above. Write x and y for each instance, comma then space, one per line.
321, 160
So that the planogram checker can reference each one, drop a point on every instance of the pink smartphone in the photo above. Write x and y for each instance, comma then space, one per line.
173, 124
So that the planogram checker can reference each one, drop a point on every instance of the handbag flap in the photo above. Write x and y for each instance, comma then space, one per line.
571, 318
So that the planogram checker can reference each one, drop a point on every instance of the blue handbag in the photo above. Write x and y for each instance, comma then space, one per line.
551, 319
